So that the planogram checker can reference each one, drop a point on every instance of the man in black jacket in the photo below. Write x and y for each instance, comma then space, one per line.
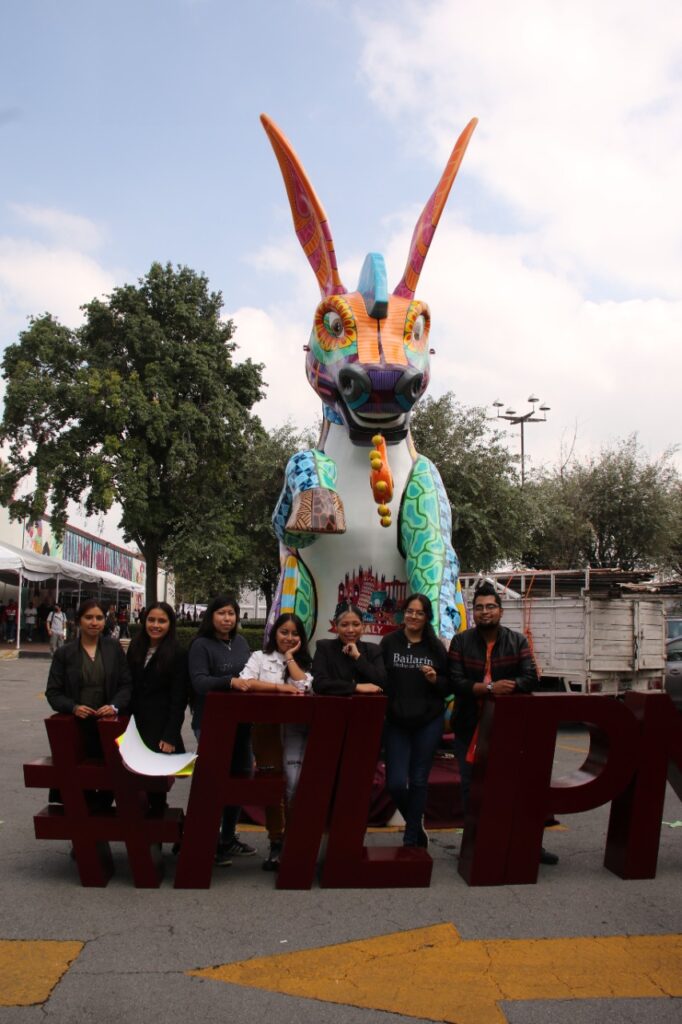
484, 662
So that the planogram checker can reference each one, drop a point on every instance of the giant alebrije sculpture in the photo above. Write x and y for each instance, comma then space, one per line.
369, 531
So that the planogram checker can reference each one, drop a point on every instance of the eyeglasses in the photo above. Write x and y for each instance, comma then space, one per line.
413, 614
485, 608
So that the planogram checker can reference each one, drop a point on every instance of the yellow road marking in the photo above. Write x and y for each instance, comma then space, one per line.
432, 973
29, 970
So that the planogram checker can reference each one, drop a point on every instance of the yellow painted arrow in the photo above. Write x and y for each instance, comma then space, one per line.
432, 973
29, 970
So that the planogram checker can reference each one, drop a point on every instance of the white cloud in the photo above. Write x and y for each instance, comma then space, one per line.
64, 229
36, 277
580, 110
567, 279
274, 338
504, 329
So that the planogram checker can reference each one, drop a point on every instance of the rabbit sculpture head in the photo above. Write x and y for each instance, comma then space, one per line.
368, 355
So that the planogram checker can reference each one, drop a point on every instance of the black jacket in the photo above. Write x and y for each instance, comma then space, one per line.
412, 701
212, 666
159, 702
337, 674
65, 679
510, 659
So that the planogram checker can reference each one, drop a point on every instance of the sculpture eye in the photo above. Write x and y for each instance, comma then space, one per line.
333, 323
419, 327
335, 329
416, 331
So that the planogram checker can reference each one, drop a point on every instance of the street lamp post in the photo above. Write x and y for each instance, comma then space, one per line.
520, 420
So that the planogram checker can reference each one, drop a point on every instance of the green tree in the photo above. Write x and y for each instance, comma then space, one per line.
142, 405
559, 530
489, 508
241, 550
620, 510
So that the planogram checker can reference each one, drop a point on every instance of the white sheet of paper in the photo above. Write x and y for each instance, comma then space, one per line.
140, 759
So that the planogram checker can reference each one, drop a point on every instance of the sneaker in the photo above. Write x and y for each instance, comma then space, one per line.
272, 861
222, 856
235, 848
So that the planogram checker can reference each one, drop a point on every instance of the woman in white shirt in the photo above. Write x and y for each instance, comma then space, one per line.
284, 666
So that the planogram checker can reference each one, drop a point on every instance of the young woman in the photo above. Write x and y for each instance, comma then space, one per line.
416, 687
216, 657
159, 674
89, 678
347, 665
283, 667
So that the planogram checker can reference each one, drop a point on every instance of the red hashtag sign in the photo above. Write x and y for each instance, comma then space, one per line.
89, 827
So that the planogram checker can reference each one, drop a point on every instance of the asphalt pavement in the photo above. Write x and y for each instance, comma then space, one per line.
131, 952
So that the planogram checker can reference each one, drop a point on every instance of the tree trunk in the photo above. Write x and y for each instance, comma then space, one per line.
267, 591
151, 557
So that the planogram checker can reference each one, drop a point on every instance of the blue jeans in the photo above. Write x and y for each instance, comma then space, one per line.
242, 764
409, 755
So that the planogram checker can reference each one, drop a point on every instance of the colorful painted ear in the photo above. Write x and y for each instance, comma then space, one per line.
310, 220
426, 225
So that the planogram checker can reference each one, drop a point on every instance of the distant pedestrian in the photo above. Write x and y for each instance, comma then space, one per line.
30, 618
56, 628
111, 623
11, 619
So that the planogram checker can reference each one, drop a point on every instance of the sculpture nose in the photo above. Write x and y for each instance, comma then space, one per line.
355, 385
409, 388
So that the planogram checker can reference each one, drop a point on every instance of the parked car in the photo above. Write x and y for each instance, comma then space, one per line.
673, 670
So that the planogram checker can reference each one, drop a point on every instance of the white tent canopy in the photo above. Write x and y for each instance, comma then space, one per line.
44, 567
30, 566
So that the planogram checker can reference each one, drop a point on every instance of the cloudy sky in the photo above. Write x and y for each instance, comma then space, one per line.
130, 133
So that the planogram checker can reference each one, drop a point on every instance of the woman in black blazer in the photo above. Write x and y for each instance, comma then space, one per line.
160, 682
346, 665
89, 678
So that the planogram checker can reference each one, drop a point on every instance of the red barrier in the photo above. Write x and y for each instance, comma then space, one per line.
342, 750
349, 864
78, 817
632, 747
627, 762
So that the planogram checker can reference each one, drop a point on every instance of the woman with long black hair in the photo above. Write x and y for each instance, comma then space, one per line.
417, 685
89, 678
160, 683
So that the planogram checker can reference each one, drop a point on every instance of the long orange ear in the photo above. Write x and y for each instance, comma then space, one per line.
310, 220
427, 223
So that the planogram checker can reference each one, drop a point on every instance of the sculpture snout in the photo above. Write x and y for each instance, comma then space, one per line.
382, 390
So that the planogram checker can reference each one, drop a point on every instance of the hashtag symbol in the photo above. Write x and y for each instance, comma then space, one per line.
89, 827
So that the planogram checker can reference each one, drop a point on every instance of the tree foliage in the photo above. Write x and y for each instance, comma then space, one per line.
142, 405
619, 510
248, 557
489, 508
